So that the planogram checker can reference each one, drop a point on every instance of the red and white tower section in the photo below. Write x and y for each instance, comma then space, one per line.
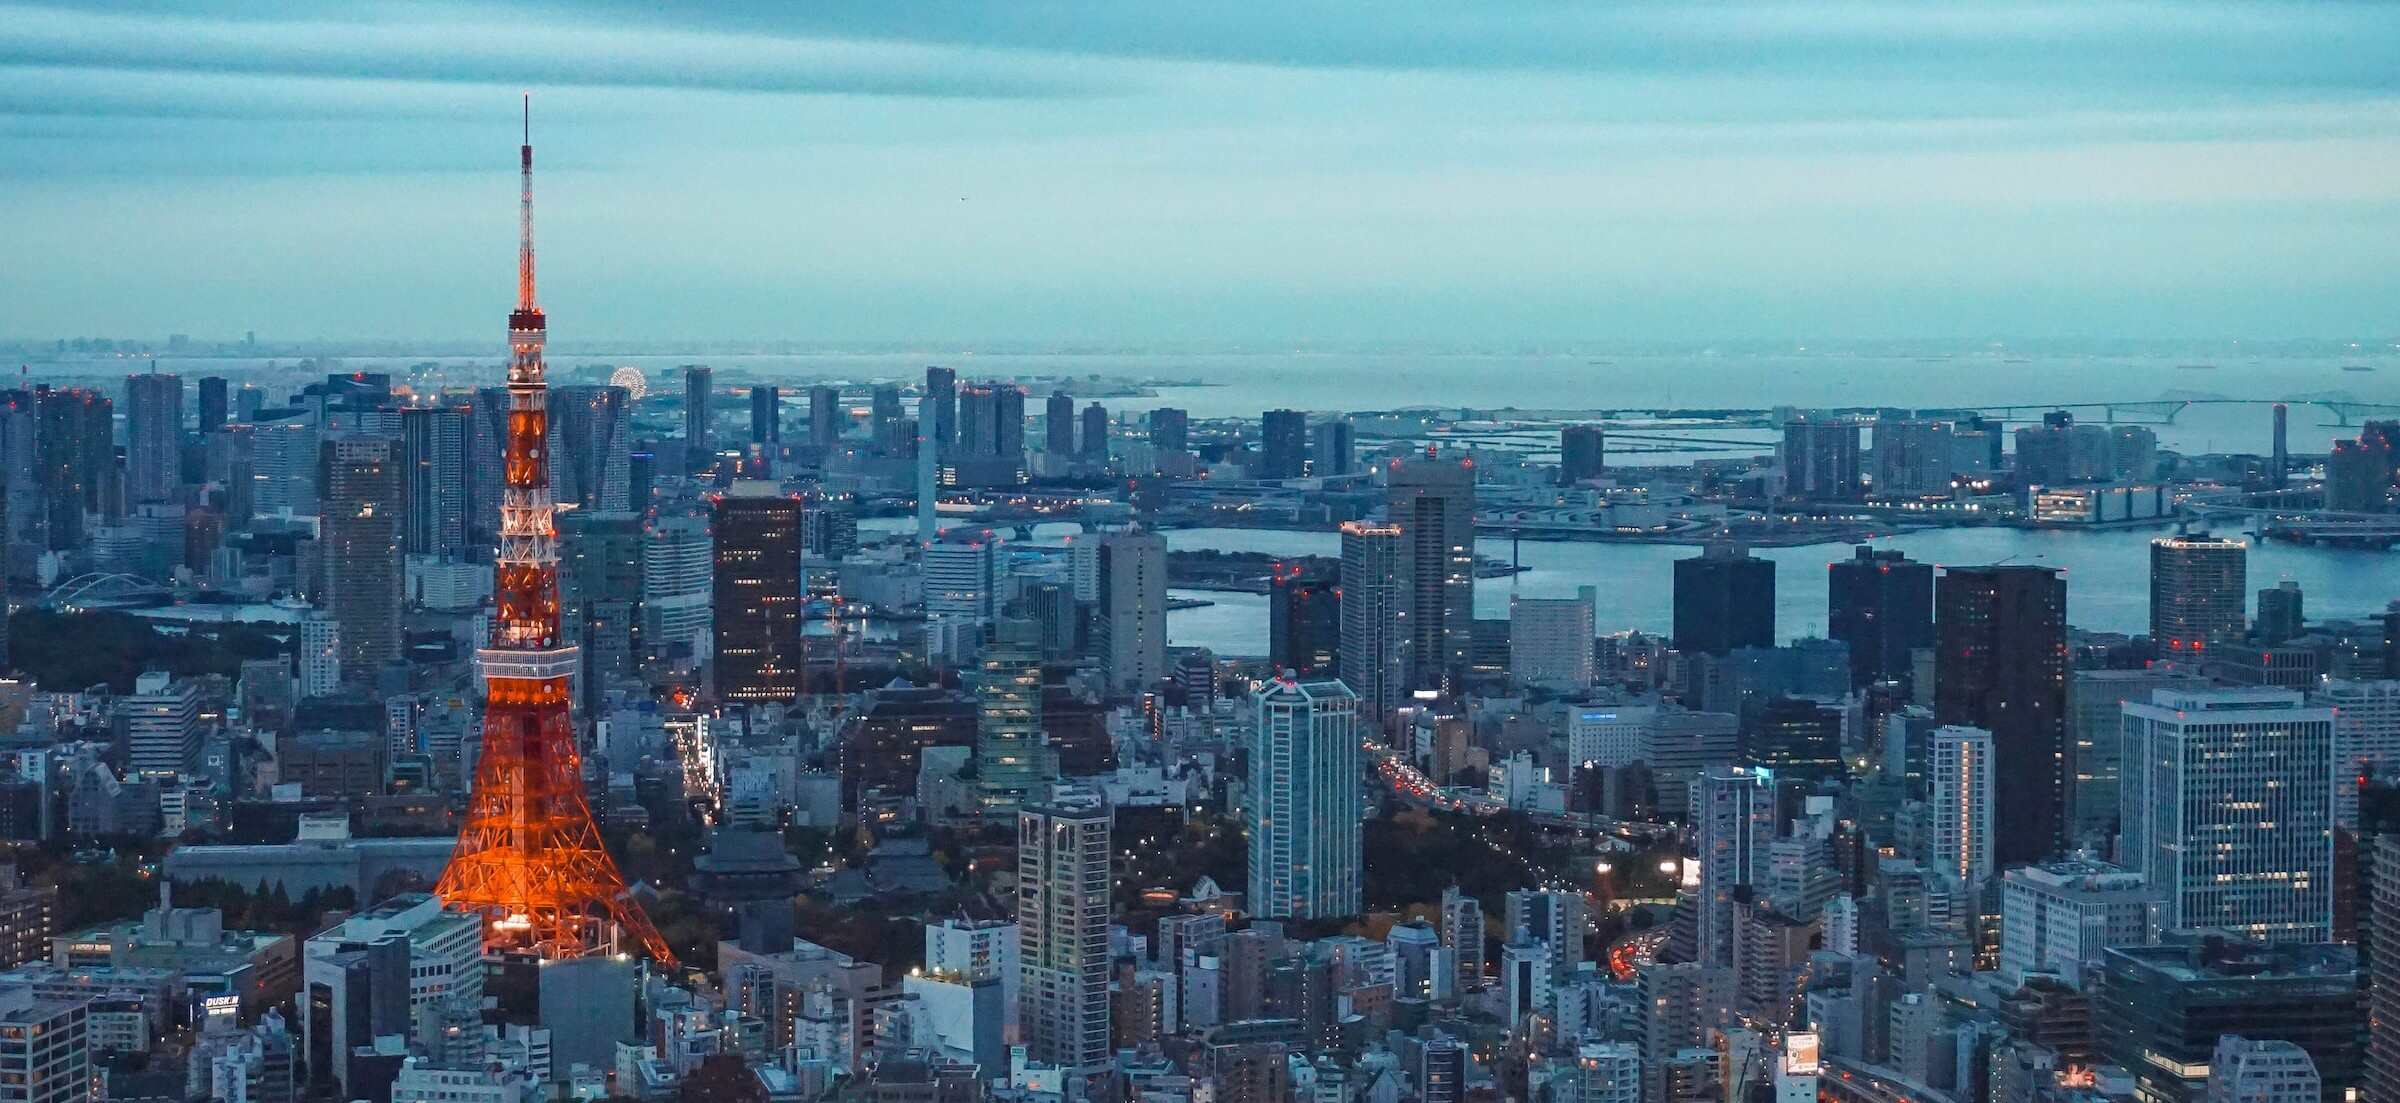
530, 858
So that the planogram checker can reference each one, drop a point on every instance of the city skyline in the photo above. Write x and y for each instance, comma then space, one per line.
1072, 173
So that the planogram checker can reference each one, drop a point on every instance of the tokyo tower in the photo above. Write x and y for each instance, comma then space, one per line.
530, 858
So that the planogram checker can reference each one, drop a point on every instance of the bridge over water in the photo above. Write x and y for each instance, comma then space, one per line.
2163, 411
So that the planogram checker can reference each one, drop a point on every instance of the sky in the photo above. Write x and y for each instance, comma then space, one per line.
1233, 173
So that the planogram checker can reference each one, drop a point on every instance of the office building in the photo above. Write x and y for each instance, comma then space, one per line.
1304, 621
941, 390
1063, 901
2245, 1070
961, 576
1095, 433
434, 480
1724, 599
2366, 739
2197, 586
214, 412
1373, 602
2382, 951
1058, 424
1914, 458
2058, 917
359, 532
153, 436
76, 456
1133, 608
162, 726
1014, 764
2227, 810
699, 420
1304, 802
757, 596
1332, 448
1881, 604
591, 447
1170, 430
678, 589
1432, 500
2163, 1010
45, 1048
2096, 741
766, 414
1582, 453
379, 973
1555, 919
2282, 614
1551, 640
2001, 665
1733, 812
1958, 774
1820, 457
1282, 444
826, 417
600, 596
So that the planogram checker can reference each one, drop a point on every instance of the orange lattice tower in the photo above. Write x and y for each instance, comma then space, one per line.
530, 858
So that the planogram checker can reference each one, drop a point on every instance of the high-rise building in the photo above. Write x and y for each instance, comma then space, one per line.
1304, 621
1282, 444
319, 655
766, 414
1095, 433
2058, 917
359, 532
600, 596
941, 389
162, 726
1058, 424
1462, 932
2197, 586
1170, 429
1733, 810
886, 413
825, 416
1133, 608
1556, 919
1881, 604
1724, 599
45, 1044
2096, 742
2000, 664
591, 447
1432, 500
1332, 448
1821, 457
213, 410
1373, 598
153, 436
1551, 640
434, 480
678, 589
75, 447
1304, 802
1064, 888
1014, 764
2227, 810
961, 576
2382, 952
1958, 775
2282, 613
699, 420
2163, 1010
1914, 458
757, 616
1582, 453
2366, 739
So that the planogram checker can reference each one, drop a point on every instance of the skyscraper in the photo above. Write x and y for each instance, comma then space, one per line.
1374, 607
885, 411
757, 615
678, 589
76, 454
1095, 433
1881, 604
213, 409
1058, 424
1332, 448
1133, 608
1958, 773
2198, 584
1733, 811
434, 480
591, 447
941, 389
1550, 640
2227, 809
162, 726
1305, 801
1170, 429
1014, 764
1820, 457
1724, 599
825, 417
359, 525
1433, 502
961, 579
1063, 901
699, 420
766, 414
1282, 444
1582, 453
1304, 621
153, 436
600, 596
2282, 613
1914, 458
2000, 664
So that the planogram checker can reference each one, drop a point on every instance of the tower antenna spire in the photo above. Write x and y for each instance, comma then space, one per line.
525, 215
